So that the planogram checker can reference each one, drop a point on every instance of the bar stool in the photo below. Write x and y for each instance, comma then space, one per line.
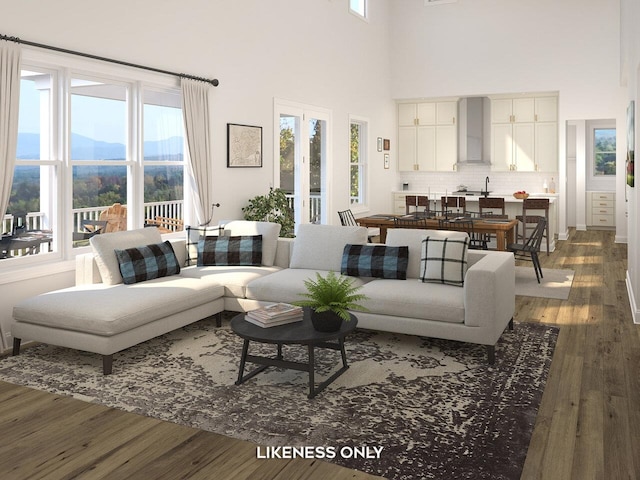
416, 201
491, 206
454, 202
527, 218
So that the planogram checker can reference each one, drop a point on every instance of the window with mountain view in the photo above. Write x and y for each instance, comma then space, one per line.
32, 205
118, 147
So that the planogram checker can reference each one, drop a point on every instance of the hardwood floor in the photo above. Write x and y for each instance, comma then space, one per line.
46, 436
588, 425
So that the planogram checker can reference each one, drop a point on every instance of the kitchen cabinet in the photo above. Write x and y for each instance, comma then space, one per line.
601, 209
427, 136
524, 134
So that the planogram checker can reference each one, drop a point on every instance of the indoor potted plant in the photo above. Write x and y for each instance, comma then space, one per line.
273, 207
329, 299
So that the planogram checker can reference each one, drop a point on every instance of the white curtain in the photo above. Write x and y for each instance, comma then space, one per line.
195, 110
9, 104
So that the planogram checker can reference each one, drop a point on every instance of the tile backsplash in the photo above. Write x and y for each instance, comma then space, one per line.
473, 176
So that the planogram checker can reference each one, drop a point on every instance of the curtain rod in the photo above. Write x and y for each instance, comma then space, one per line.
213, 82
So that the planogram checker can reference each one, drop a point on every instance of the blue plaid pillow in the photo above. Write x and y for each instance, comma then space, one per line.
380, 261
230, 250
444, 260
148, 262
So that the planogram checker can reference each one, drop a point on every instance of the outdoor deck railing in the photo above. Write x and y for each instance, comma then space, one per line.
35, 220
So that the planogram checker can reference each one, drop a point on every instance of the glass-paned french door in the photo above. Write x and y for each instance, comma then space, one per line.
303, 144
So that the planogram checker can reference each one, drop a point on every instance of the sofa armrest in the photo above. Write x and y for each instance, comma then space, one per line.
489, 291
283, 252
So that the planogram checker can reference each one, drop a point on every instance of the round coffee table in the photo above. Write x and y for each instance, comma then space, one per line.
298, 333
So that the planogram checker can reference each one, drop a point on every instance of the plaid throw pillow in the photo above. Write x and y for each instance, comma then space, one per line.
380, 261
148, 262
233, 250
444, 260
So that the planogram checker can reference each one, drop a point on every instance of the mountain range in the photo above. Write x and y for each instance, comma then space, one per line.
85, 148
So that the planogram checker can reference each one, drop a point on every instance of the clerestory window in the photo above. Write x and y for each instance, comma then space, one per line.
358, 7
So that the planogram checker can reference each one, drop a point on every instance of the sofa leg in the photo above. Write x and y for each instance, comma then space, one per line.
16, 346
511, 324
219, 319
107, 364
491, 354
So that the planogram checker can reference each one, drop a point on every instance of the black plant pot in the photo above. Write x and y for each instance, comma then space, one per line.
325, 321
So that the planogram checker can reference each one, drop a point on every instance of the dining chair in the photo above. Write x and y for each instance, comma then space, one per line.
477, 241
531, 247
491, 206
410, 222
456, 203
528, 219
415, 202
347, 219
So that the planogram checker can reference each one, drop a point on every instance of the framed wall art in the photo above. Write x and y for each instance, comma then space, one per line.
244, 146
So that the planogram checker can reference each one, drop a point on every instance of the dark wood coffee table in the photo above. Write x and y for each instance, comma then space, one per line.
299, 333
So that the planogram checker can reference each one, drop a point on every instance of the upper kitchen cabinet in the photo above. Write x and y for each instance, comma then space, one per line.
524, 134
427, 136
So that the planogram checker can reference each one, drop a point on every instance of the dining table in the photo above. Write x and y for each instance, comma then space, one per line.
502, 228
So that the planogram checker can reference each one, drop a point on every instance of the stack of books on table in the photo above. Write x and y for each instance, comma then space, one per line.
274, 315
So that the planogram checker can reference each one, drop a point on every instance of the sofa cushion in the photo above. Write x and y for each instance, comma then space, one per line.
234, 278
381, 261
104, 246
138, 264
413, 238
444, 260
108, 310
230, 250
414, 299
270, 232
286, 285
320, 247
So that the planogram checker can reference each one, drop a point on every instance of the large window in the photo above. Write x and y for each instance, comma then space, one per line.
358, 161
96, 153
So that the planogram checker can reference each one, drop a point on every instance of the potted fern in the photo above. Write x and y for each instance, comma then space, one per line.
329, 299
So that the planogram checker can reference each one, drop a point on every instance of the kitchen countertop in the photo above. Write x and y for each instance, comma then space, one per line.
508, 197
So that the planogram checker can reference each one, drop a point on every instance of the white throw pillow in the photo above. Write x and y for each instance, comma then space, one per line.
444, 260
105, 244
269, 231
320, 247
413, 237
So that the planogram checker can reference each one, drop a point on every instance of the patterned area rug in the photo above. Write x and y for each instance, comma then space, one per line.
435, 407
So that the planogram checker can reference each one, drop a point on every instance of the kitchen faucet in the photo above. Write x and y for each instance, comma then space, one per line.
486, 187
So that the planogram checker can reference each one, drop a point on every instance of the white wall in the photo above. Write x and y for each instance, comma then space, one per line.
630, 72
479, 47
309, 51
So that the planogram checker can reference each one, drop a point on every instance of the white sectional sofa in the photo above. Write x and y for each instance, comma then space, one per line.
102, 315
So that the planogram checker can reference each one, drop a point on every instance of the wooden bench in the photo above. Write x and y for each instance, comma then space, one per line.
167, 224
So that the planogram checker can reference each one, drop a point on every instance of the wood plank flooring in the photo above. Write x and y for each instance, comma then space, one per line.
46, 436
588, 425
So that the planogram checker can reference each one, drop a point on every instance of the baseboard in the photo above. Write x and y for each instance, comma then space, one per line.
635, 314
620, 239
582, 227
